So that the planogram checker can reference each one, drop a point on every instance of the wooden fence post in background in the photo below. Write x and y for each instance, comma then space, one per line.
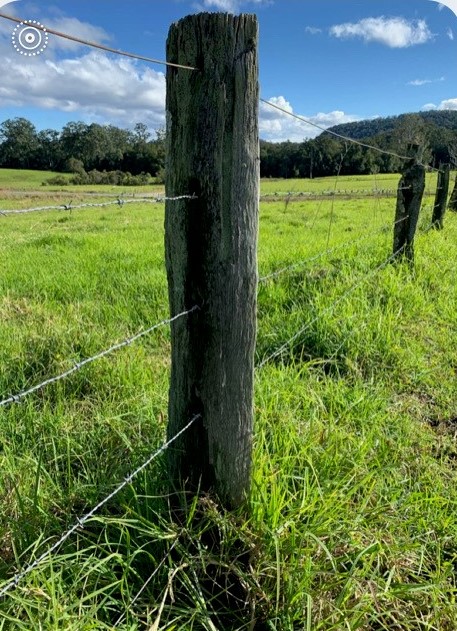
211, 249
409, 199
442, 190
453, 199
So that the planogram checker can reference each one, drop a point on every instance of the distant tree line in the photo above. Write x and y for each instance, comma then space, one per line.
81, 148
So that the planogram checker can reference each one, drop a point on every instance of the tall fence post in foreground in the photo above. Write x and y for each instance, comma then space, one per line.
211, 249
442, 190
409, 200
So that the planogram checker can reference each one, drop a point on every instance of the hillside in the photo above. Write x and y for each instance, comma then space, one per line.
326, 155
445, 119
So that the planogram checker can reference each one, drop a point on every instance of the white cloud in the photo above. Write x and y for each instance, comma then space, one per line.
447, 104
5, 2
450, 34
94, 87
277, 126
419, 82
79, 29
312, 30
395, 32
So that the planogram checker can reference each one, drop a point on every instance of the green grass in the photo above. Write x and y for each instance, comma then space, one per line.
23, 179
31, 183
357, 185
353, 519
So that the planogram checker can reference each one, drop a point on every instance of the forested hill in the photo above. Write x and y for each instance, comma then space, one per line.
435, 132
446, 119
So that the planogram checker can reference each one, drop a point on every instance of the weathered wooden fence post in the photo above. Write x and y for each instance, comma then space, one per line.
409, 198
442, 190
211, 249
453, 200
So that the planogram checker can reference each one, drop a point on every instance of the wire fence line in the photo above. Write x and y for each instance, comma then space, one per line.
16, 398
118, 202
340, 246
328, 309
341, 192
81, 521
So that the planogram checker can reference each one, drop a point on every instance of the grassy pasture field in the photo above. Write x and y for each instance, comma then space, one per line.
353, 519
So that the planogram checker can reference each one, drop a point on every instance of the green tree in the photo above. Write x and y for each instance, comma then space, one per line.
18, 143
49, 154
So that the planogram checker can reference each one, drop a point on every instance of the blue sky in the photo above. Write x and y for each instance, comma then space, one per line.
331, 61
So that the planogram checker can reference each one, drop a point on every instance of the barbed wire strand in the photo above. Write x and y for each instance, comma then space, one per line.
80, 522
145, 584
353, 287
315, 257
15, 398
308, 195
107, 49
119, 202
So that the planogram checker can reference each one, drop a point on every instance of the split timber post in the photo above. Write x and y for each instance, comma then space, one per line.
442, 190
409, 199
211, 250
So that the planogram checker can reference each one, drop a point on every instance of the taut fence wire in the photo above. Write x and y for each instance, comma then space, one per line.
315, 257
118, 202
16, 398
328, 309
107, 49
80, 522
